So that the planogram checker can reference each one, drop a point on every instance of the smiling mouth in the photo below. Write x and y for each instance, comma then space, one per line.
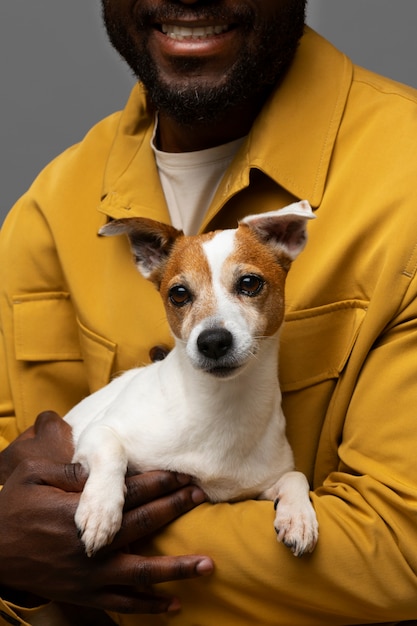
186, 33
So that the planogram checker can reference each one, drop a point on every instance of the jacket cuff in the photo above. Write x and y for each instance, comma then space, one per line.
10, 614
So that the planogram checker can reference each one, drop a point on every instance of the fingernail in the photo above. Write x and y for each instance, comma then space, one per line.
198, 496
204, 567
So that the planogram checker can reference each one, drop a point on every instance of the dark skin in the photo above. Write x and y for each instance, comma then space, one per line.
42, 491
223, 81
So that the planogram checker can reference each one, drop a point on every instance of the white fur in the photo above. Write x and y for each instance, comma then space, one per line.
228, 433
228, 310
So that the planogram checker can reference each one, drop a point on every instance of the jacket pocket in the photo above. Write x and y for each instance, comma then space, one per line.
58, 360
98, 354
45, 328
48, 373
314, 351
316, 343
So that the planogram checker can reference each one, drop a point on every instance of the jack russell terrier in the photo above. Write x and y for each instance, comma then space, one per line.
212, 407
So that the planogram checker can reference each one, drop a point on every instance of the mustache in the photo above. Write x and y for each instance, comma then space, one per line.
209, 11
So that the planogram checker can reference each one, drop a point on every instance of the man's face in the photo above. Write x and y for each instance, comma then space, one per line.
199, 58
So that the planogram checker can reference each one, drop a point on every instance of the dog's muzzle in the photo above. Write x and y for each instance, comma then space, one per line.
216, 346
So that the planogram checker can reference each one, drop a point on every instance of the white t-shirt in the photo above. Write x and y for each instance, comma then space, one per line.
190, 180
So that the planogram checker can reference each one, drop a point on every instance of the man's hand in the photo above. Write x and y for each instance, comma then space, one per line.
49, 438
41, 553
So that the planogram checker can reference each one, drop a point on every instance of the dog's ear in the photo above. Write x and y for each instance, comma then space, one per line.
151, 242
285, 230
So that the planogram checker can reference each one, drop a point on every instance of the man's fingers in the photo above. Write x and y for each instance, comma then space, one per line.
144, 520
45, 419
128, 580
148, 571
49, 438
54, 433
143, 488
68, 477
136, 602
143, 572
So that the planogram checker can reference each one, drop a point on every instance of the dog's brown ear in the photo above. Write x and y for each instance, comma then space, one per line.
151, 242
285, 230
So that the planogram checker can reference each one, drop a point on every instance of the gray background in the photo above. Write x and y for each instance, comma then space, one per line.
58, 74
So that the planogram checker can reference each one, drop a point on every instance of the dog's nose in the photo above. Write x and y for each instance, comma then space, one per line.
214, 342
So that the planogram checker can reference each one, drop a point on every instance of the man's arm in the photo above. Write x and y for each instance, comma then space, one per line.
364, 568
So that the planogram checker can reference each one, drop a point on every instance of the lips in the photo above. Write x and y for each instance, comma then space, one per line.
183, 33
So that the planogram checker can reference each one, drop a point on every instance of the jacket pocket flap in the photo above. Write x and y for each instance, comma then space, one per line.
316, 343
45, 327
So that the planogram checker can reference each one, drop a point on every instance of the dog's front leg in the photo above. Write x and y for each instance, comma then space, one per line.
295, 519
99, 513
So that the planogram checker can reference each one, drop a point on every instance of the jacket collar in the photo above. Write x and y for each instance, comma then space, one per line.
291, 141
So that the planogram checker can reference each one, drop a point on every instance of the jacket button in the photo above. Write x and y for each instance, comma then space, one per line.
158, 353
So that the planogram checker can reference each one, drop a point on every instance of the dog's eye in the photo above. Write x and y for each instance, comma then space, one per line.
179, 295
250, 285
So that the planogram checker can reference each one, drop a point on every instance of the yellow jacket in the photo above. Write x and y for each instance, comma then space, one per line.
74, 312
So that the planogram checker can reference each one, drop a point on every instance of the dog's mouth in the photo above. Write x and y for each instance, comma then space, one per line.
224, 371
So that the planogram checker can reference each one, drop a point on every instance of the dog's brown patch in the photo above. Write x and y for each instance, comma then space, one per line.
188, 266
250, 256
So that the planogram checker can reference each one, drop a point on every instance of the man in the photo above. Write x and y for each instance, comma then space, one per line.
234, 118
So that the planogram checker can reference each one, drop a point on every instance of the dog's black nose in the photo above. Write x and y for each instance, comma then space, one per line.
215, 342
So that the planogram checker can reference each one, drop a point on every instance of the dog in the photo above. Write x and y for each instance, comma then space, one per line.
212, 408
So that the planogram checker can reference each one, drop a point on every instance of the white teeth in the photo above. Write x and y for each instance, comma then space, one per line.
182, 32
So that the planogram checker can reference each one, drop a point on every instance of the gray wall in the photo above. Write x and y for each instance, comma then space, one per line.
58, 74
377, 34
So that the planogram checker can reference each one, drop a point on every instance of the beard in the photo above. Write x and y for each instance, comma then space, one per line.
261, 63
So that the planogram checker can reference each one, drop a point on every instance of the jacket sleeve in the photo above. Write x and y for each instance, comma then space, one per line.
8, 422
8, 430
41, 365
52, 614
364, 567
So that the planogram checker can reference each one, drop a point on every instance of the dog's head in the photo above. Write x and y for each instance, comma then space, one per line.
223, 291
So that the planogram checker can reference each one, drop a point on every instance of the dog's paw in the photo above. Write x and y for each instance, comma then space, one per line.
296, 526
97, 521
